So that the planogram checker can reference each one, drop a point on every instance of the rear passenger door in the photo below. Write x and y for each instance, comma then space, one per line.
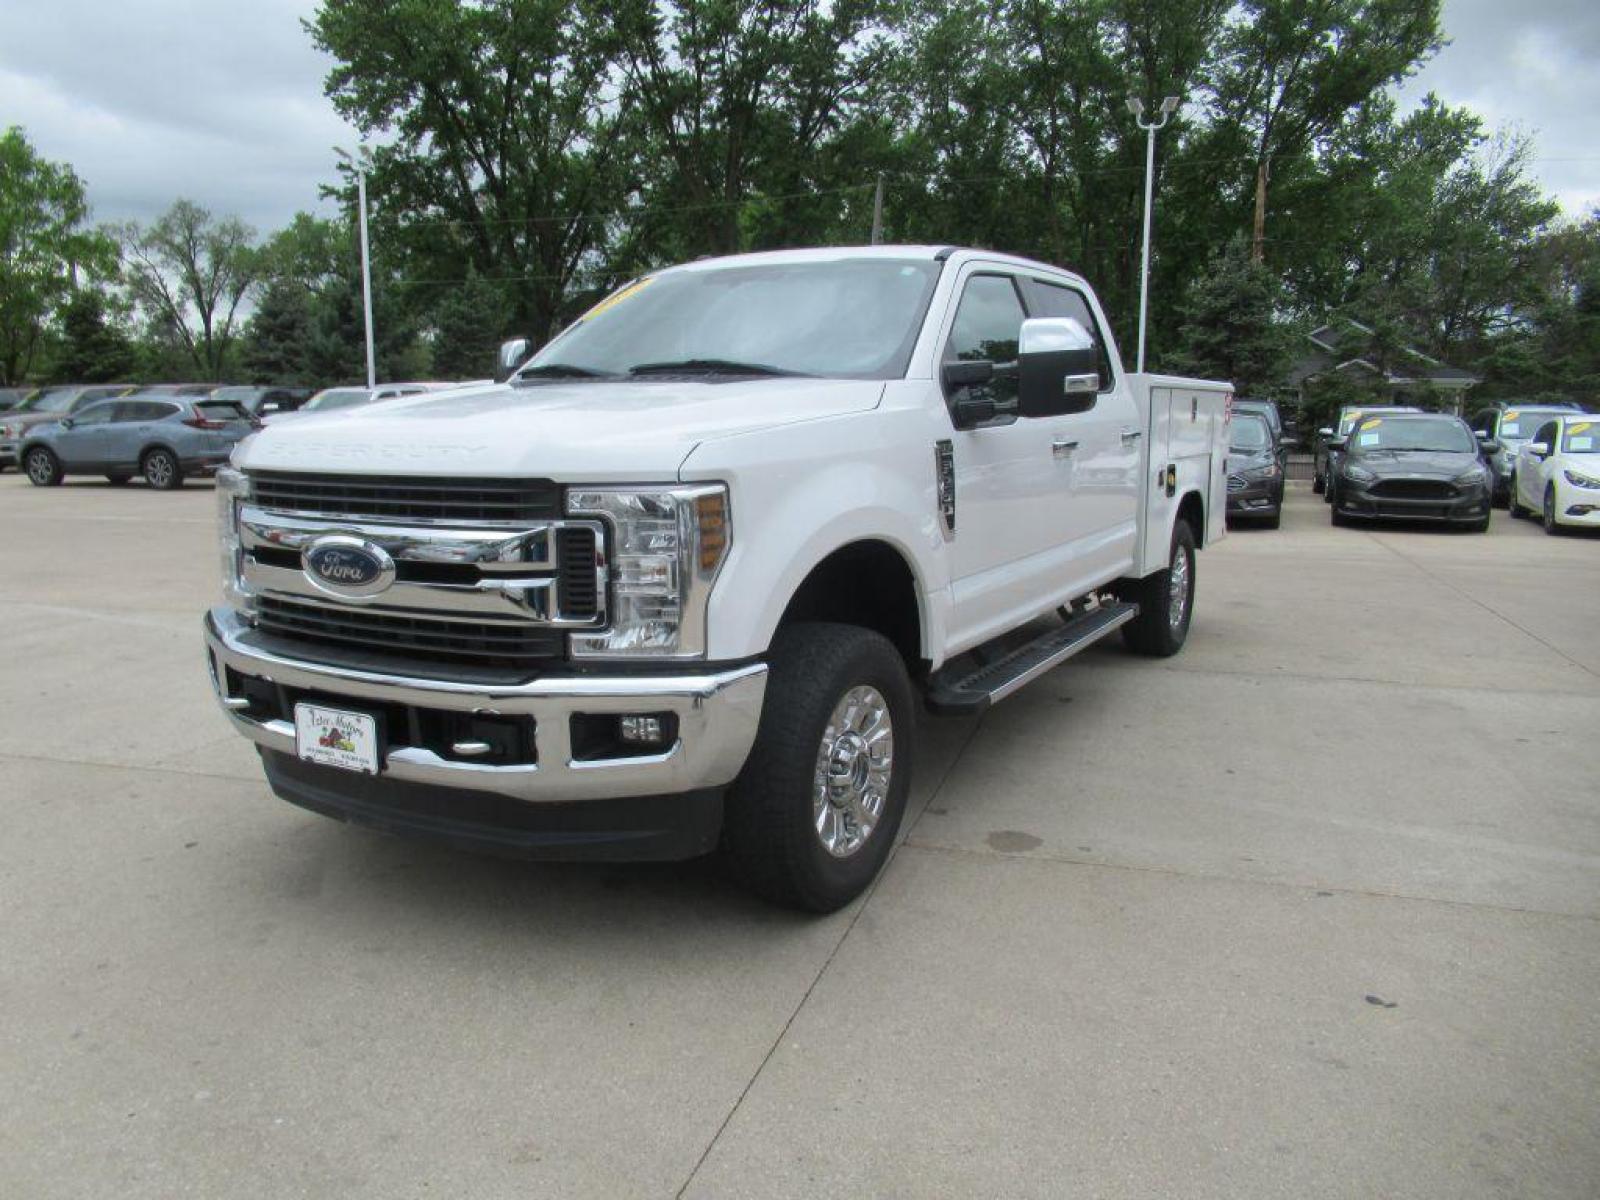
135, 427
1109, 439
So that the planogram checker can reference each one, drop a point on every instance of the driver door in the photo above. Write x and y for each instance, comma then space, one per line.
86, 443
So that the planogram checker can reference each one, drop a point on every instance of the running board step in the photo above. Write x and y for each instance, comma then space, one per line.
975, 691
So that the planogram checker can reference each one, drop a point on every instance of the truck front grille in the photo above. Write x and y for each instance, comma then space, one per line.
480, 643
399, 498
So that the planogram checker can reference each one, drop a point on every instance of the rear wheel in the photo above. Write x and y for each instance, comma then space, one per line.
161, 470
43, 467
1165, 600
1513, 505
813, 815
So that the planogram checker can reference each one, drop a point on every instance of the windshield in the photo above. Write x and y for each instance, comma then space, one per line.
337, 398
47, 400
1414, 433
1520, 424
854, 319
1581, 437
1250, 434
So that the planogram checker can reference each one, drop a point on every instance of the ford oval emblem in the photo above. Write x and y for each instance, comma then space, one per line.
348, 566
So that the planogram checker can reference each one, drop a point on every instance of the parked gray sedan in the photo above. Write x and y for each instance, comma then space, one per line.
162, 437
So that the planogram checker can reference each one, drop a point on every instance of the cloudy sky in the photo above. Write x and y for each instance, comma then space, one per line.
221, 100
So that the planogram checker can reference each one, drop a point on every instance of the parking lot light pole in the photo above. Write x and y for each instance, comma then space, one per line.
1136, 107
360, 168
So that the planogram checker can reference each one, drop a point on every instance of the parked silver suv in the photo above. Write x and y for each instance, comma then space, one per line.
162, 437
46, 406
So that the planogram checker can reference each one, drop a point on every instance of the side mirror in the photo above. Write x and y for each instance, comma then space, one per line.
1488, 444
972, 411
1325, 433
1481, 434
1539, 449
512, 355
1339, 443
1058, 367
67, 422
960, 373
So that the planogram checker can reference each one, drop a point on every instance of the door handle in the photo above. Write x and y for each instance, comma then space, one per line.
1129, 436
1061, 447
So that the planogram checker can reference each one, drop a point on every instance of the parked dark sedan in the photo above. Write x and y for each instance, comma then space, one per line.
1255, 471
157, 435
1412, 467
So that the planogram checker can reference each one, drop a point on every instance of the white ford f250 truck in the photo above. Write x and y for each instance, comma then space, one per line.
683, 578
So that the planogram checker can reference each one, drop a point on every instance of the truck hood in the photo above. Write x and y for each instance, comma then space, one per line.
584, 431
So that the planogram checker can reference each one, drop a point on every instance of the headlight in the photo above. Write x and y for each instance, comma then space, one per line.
1270, 471
1471, 476
1583, 481
233, 490
1357, 473
667, 546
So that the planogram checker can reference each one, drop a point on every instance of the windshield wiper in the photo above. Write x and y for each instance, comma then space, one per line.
708, 366
561, 371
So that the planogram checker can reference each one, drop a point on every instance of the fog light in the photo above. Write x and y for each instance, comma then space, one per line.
641, 730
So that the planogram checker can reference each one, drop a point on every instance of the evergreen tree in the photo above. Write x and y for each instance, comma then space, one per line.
92, 349
468, 322
278, 342
1233, 325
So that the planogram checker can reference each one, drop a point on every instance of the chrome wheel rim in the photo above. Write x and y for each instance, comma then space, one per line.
158, 470
1178, 590
39, 467
855, 762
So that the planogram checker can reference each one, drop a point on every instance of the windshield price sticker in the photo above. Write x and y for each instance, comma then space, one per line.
617, 298
1580, 443
1367, 439
1579, 427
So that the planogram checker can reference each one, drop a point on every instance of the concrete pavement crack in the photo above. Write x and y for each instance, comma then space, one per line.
1488, 608
1066, 860
866, 899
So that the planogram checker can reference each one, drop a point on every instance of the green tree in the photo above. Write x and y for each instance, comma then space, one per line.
190, 272
92, 348
503, 132
44, 246
1232, 324
467, 325
278, 341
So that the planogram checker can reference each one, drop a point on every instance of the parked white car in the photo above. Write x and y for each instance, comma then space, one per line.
683, 579
1557, 474
335, 398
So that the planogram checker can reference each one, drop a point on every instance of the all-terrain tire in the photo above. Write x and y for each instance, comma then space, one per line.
770, 835
1165, 607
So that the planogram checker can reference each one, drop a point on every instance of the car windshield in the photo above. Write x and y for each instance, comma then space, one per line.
852, 318
337, 398
1444, 434
48, 400
1520, 424
1581, 437
1250, 434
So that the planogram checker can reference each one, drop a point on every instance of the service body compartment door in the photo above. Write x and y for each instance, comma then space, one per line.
1188, 453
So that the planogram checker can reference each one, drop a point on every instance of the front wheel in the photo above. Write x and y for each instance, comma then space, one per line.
1165, 600
43, 467
1550, 525
813, 815
161, 470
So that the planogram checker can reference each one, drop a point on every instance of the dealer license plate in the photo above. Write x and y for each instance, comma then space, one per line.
336, 738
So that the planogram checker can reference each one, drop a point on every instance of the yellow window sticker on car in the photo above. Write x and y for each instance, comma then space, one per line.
1511, 414
1372, 423
617, 297
1579, 427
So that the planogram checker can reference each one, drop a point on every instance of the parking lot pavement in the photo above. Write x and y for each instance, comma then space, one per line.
1311, 910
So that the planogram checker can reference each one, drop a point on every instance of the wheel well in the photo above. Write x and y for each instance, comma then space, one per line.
152, 448
1192, 510
867, 584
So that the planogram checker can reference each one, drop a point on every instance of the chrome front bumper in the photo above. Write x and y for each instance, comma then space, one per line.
717, 716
